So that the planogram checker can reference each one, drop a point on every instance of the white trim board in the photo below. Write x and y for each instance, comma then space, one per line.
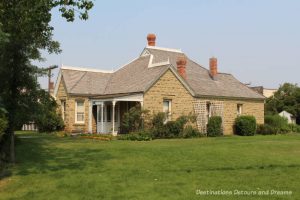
86, 69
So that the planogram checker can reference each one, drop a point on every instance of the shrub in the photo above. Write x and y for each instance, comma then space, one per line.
294, 128
245, 125
173, 129
214, 126
136, 136
133, 120
190, 132
265, 129
49, 122
159, 129
280, 124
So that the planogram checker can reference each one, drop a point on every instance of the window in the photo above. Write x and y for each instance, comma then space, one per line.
108, 113
116, 113
167, 109
208, 111
79, 118
239, 109
63, 109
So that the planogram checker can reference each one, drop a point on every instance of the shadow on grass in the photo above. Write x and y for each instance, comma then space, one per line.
42, 155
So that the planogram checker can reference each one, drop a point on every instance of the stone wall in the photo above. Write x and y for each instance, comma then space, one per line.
70, 125
227, 109
200, 109
170, 88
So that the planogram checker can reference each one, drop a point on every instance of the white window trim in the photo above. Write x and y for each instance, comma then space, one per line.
208, 112
63, 112
240, 109
169, 114
76, 121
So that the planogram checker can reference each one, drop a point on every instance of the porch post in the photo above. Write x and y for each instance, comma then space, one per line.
102, 130
90, 130
113, 117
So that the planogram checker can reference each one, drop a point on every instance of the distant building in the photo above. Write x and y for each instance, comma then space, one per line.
264, 91
291, 119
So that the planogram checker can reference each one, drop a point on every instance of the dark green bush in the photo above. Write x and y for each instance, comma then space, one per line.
294, 128
171, 129
214, 126
190, 132
133, 120
159, 130
279, 124
245, 125
136, 136
265, 129
49, 122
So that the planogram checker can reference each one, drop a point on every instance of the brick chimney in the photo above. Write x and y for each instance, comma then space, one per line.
151, 39
213, 66
51, 87
181, 66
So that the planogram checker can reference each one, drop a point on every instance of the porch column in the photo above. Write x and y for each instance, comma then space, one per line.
113, 117
102, 129
90, 129
142, 104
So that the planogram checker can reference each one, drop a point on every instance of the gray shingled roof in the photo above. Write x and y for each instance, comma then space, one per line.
137, 76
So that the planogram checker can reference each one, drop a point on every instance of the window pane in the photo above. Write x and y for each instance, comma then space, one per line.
99, 114
108, 113
80, 106
166, 106
80, 116
116, 112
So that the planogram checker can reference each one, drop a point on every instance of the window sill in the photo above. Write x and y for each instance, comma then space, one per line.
79, 123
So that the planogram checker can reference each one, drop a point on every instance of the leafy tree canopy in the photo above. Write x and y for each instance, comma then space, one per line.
25, 30
287, 98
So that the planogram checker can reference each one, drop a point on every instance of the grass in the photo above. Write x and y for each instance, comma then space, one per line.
71, 168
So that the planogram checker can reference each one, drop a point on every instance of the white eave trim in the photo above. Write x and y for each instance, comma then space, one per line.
57, 83
164, 49
86, 69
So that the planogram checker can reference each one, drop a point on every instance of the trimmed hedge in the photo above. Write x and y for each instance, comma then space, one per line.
245, 125
214, 126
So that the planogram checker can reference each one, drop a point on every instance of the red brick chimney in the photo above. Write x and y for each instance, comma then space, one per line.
181, 66
151, 39
51, 87
213, 66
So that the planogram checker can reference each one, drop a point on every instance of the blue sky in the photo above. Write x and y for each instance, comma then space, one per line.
258, 41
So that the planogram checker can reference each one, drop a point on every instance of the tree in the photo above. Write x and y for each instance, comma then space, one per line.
287, 98
25, 31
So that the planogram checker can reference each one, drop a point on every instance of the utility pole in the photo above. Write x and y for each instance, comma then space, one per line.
50, 84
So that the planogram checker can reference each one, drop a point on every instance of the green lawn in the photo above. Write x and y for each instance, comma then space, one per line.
71, 168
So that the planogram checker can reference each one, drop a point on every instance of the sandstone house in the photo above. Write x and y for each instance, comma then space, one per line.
160, 80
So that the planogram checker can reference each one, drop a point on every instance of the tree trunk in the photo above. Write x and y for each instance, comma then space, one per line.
12, 148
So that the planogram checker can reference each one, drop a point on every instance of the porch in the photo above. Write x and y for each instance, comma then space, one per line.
106, 115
